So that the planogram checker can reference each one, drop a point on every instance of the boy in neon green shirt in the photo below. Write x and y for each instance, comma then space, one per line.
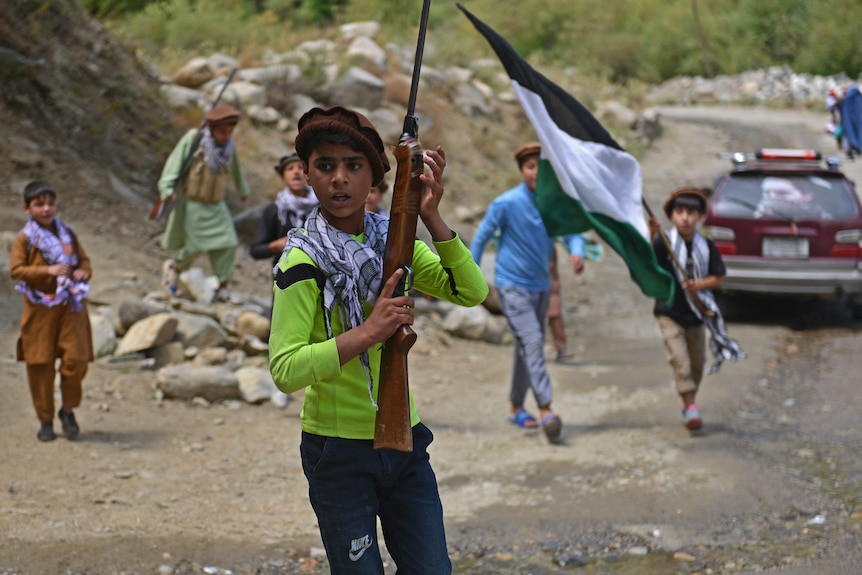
332, 310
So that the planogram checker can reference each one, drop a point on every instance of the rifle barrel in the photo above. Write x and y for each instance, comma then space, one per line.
223, 88
411, 126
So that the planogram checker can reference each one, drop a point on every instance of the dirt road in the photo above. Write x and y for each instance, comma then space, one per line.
174, 487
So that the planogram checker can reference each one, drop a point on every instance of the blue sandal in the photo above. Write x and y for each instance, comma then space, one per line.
524, 419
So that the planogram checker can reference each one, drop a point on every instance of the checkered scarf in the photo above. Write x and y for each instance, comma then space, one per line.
720, 344
56, 249
293, 209
353, 270
216, 156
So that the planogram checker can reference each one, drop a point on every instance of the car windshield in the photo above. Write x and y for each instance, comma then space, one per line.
785, 196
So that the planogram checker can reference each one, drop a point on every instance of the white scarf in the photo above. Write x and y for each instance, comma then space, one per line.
720, 344
353, 270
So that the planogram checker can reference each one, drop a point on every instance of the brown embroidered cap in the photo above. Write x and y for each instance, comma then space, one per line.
524, 151
340, 120
284, 161
222, 114
694, 193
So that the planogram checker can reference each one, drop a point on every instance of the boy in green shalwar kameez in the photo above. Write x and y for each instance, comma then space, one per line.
201, 222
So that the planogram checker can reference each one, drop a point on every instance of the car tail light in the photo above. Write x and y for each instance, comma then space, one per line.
723, 238
726, 248
848, 244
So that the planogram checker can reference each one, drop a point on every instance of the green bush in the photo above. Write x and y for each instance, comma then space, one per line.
116, 8
832, 43
646, 40
767, 33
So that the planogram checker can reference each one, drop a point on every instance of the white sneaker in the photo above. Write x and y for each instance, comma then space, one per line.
224, 295
170, 277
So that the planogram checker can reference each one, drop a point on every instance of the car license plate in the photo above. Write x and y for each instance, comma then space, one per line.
778, 247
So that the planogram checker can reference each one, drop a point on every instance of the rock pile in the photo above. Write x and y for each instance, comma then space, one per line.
204, 350
355, 71
778, 85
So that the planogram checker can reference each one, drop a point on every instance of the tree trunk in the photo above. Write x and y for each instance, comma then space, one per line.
704, 45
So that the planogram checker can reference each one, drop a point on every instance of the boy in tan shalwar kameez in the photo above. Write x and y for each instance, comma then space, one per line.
52, 270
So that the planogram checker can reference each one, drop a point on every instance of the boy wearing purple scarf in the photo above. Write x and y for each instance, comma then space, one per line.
53, 271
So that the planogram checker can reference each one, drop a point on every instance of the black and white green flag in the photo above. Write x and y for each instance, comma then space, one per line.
586, 180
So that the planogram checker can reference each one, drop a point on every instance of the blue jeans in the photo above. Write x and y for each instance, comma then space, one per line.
350, 484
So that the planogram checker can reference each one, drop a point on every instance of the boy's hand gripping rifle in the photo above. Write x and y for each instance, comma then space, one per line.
162, 207
392, 428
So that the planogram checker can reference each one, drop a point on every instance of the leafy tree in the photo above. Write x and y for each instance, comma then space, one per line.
704, 41
833, 40
769, 32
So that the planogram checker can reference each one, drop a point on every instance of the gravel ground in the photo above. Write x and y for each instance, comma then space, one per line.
771, 483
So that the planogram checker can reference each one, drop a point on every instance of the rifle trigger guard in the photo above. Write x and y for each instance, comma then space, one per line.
407, 280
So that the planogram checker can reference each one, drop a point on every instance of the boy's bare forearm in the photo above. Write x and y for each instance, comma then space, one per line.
353, 342
711, 282
707, 283
437, 227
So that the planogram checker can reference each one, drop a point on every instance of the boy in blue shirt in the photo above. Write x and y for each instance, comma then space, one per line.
523, 283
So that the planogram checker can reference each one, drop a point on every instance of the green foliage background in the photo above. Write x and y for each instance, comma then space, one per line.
621, 40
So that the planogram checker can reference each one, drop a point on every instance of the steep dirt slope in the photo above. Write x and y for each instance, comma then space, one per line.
76, 107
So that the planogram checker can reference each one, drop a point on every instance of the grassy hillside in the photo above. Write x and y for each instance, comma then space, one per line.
623, 40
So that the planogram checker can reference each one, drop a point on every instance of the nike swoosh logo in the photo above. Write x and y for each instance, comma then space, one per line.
356, 555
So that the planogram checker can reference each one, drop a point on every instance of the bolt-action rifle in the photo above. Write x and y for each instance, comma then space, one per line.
392, 428
163, 207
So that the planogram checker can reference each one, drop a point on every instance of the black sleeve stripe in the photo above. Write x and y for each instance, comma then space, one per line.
453, 287
298, 273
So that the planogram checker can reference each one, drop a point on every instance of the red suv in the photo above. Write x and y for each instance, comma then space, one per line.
786, 222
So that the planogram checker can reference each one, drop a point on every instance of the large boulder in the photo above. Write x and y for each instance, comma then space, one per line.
186, 381
148, 333
195, 73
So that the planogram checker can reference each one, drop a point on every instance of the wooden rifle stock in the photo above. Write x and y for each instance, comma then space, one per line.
392, 427
158, 209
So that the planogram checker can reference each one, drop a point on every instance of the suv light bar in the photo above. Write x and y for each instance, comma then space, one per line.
787, 154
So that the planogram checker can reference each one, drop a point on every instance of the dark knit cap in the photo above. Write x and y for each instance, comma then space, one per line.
524, 151
284, 161
338, 120
35, 189
222, 114
693, 197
